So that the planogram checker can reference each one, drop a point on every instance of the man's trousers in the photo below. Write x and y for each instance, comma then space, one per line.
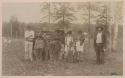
28, 50
100, 53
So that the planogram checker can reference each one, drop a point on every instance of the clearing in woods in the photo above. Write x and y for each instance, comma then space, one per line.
13, 63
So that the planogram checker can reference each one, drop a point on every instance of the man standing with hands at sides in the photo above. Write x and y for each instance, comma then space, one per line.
29, 37
100, 44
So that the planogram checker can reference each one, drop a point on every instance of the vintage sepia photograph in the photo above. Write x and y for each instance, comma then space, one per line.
62, 38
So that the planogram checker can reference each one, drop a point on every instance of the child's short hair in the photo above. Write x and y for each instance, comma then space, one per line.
69, 32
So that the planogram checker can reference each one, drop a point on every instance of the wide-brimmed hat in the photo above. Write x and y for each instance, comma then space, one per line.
99, 27
69, 32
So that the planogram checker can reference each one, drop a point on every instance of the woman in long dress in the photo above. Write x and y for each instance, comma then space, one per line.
39, 46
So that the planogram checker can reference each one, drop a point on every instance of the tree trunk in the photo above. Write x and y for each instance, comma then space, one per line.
115, 26
109, 27
49, 13
115, 36
89, 22
11, 31
63, 21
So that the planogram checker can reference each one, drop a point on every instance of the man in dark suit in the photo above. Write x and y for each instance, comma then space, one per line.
100, 44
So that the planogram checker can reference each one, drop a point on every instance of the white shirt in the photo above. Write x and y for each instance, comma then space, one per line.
99, 38
68, 39
29, 34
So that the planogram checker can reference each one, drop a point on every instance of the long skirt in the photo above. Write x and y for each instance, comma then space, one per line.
47, 53
70, 57
57, 49
39, 54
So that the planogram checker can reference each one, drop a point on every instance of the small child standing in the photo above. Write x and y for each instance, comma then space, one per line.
79, 49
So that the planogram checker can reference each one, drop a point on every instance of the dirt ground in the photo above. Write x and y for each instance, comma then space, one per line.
13, 63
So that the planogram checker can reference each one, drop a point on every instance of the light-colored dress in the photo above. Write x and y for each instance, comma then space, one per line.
79, 46
79, 50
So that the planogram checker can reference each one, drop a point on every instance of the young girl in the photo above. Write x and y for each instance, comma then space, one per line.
79, 49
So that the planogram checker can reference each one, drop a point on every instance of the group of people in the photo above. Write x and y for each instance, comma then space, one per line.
43, 45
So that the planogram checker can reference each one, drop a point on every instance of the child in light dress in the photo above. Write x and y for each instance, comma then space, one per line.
79, 49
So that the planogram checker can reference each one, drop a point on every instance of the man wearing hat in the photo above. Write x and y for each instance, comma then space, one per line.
100, 44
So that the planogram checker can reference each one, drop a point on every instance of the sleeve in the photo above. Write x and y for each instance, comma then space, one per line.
95, 40
105, 40
72, 39
76, 43
65, 40
33, 34
25, 34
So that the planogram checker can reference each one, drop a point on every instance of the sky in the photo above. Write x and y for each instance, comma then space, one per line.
31, 12
25, 12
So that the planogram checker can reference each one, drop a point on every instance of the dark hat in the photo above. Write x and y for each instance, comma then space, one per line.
69, 32
29, 27
99, 27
